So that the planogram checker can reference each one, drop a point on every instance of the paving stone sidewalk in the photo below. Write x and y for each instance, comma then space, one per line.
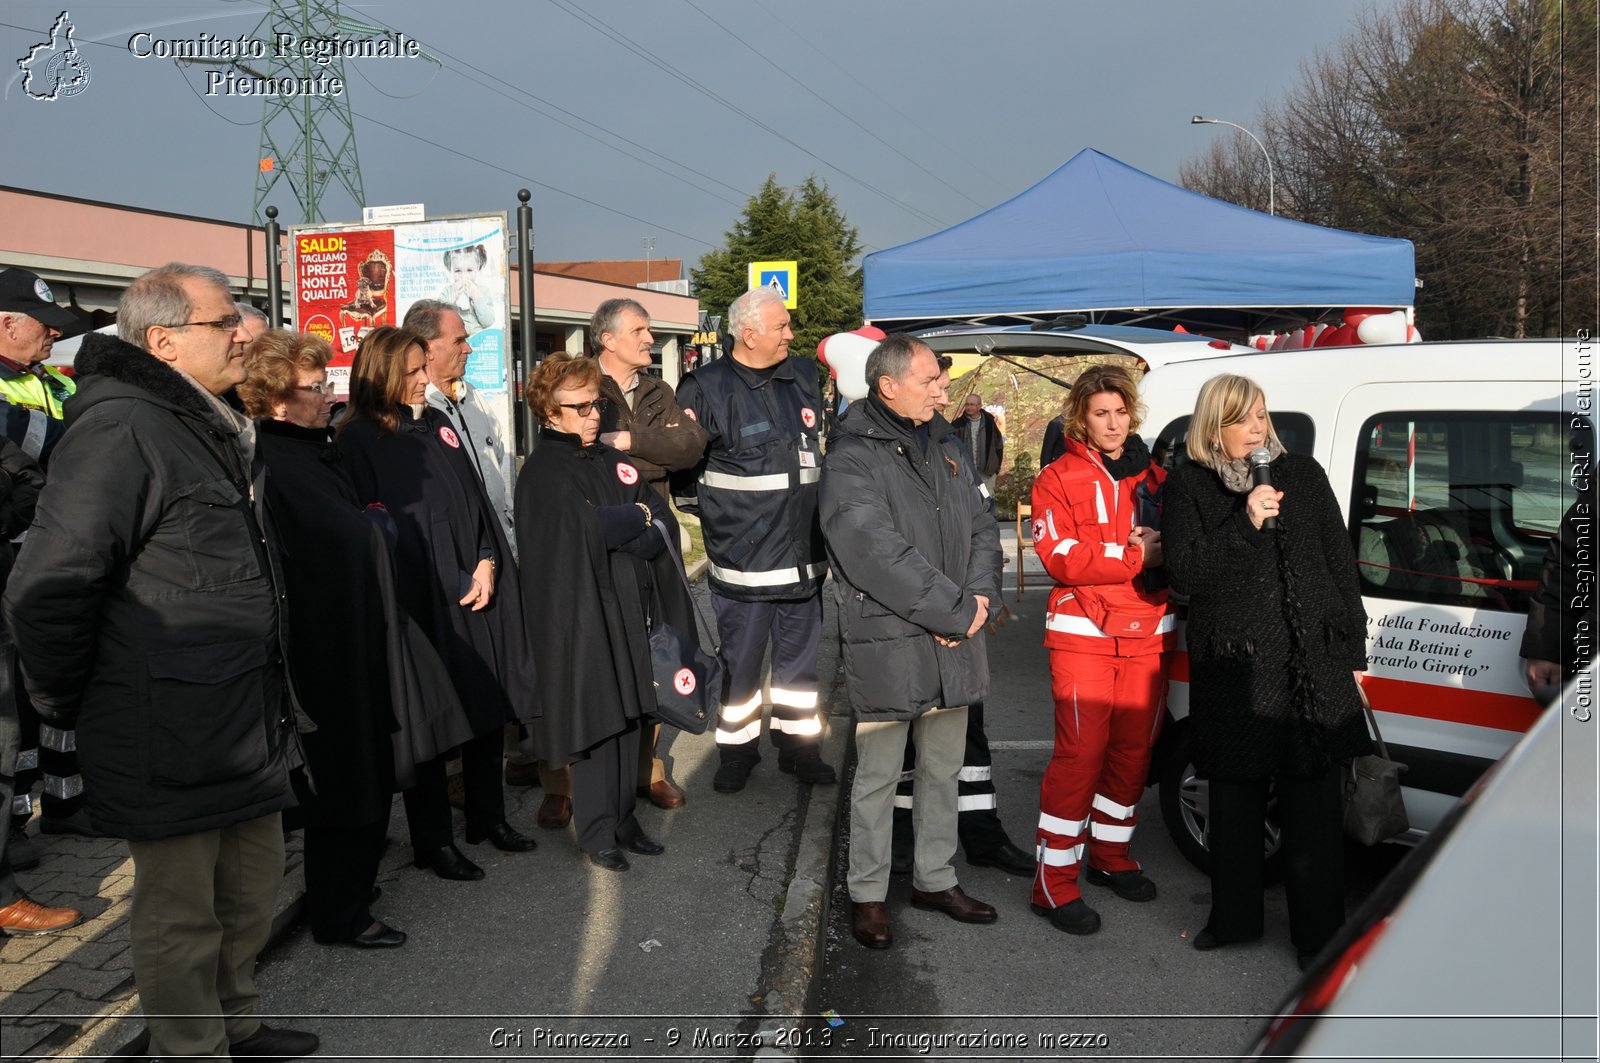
56, 988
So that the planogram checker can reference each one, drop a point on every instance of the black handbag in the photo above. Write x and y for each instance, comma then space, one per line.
687, 679
1374, 808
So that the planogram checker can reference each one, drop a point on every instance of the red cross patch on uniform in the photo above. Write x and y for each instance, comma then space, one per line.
683, 681
627, 473
808, 417
448, 434
1038, 529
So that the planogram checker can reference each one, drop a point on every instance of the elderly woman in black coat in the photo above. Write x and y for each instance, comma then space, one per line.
450, 552
338, 660
1277, 642
594, 569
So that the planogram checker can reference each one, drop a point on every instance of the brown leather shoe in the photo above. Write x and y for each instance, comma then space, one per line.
23, 918
956, 904
555, 811
870, 924
663, 794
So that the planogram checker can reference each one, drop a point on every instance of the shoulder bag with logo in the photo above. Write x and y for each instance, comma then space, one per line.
688, 680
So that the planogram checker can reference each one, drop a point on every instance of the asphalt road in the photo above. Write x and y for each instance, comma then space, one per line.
1135, 989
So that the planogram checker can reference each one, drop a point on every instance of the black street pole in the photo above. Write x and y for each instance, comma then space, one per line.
525, 423
274, 268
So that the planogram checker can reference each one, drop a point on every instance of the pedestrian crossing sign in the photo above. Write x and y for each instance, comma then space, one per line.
779, 276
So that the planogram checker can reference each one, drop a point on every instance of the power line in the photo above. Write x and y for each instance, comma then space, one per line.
533, 181
465, 70
820, 51
829, 103
644, 54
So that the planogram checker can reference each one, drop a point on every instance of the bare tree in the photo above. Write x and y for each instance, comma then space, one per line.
1466, 126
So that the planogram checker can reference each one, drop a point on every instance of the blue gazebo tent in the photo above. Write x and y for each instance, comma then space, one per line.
1101, 238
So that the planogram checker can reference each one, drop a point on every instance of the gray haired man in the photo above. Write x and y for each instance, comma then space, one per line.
146, 607
916, 554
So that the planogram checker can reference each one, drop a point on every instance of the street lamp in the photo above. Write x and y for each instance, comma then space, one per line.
1272, 202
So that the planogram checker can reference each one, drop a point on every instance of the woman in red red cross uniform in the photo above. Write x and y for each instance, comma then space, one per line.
1108, 628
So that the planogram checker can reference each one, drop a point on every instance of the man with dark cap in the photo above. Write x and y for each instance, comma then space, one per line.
32, 395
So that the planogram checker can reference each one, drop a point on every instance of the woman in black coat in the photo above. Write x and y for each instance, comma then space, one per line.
1277, 639
593, 569
448, 555
338, 659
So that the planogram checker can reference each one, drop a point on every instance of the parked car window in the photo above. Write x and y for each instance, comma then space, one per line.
1457, 508
1294, 429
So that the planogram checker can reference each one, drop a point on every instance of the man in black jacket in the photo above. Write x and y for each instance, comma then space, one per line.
146, 608
916, 553
756, 497
31, 396
20, 482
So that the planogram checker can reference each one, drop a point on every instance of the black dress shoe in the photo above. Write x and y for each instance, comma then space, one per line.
609, 859
1006, 857
1129, 885
379, 936
644, 845
448, 862
268, 1044
505, 837
1075, 918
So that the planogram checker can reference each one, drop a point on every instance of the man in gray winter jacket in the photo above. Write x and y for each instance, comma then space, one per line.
915, 551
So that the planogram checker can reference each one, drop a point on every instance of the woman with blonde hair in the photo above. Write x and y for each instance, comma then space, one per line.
1096, 514
1277, 641
449, 549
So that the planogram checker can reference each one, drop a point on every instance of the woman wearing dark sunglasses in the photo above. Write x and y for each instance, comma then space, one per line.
406, 457
594, 570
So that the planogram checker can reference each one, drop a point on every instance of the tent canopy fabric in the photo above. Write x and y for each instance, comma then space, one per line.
1098, 234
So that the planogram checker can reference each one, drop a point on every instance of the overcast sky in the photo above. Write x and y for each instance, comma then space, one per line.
919, 113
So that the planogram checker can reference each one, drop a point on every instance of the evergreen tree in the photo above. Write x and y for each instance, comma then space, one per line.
806, 226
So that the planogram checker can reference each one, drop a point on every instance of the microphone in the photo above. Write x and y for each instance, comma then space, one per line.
1261, 473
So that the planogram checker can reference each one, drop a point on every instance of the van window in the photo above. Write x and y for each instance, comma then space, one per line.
1457, 508
1294, 429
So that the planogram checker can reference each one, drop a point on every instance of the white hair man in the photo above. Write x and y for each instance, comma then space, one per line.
756, 496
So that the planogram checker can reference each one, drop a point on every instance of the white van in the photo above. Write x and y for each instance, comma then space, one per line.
1450, 462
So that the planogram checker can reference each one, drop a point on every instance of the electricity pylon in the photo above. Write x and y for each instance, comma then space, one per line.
307, 140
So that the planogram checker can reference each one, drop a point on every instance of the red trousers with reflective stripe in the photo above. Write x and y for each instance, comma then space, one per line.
1108, 710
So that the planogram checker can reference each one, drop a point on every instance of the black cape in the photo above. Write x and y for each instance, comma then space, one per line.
374, 687
444, 526
587, 606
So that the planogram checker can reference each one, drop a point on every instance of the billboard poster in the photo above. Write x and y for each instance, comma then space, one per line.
352, 278
462, 261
